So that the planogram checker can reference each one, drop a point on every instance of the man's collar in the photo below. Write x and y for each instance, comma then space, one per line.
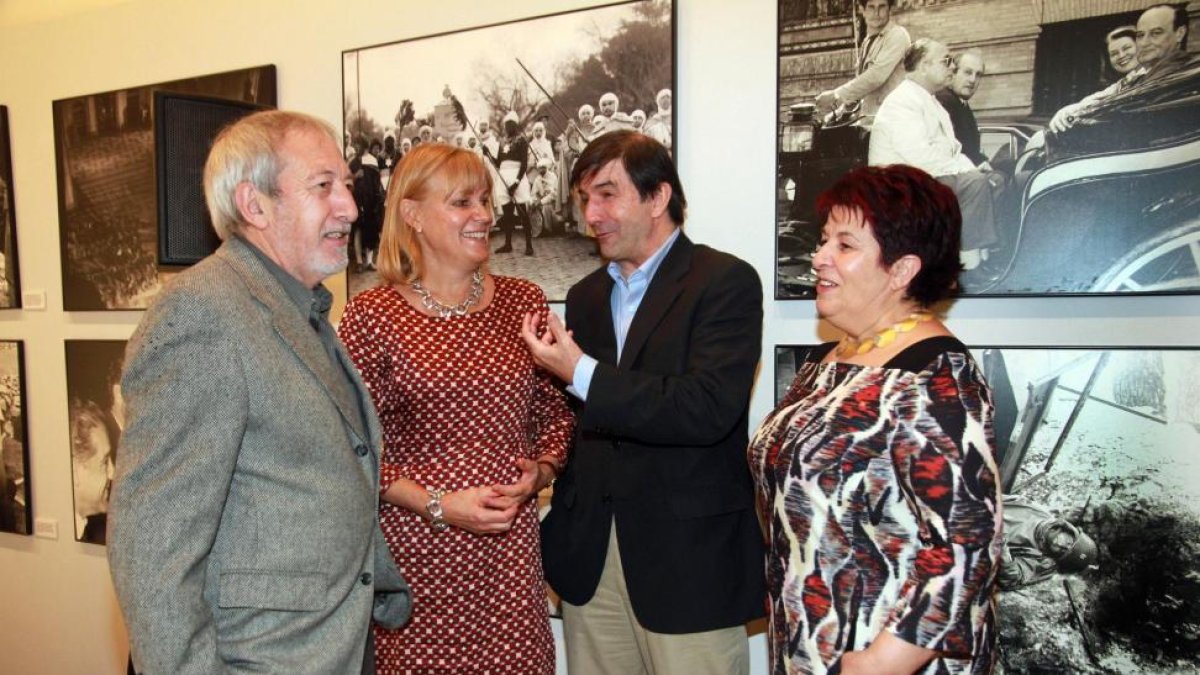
309, 300
652, 263
882, 28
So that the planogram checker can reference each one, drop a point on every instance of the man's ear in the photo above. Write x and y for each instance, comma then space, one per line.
661, 199
903, 271
254, 206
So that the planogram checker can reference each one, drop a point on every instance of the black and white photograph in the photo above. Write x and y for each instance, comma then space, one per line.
527, 96
1067, 131
96, 414
16, 509
108, 215
1099, 456
10, 274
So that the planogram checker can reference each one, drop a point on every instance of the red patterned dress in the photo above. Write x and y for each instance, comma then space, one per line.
459, 399
878, 488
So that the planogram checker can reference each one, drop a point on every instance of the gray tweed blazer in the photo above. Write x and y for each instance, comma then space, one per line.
243, 528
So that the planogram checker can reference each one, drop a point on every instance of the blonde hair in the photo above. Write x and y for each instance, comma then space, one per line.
430, 170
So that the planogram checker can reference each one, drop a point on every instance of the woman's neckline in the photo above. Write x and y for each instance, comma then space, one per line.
485, 303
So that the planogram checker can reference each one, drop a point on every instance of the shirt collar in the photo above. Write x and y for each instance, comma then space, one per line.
648, 268
312, 302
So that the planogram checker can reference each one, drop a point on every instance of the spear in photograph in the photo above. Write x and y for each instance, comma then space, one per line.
460, 114
570, 120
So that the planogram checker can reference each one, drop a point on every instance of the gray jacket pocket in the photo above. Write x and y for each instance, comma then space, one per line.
268, 589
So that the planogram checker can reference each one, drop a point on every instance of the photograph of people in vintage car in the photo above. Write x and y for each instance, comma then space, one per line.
1067, 130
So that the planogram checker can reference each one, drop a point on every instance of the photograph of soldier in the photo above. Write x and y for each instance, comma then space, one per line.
522, 94
16, 512
1099, 453
1066, 129
10, 277
108, 217
96, 414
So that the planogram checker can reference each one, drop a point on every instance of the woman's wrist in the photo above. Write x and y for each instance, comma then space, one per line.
547, 473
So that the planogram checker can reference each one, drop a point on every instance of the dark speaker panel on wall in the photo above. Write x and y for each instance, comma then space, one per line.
184, 128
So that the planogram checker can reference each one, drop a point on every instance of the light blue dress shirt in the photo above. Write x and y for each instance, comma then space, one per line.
626, 297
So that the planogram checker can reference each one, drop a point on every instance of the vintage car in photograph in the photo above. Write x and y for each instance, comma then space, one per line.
1110, 206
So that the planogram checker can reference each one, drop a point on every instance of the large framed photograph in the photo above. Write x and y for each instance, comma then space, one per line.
1088, 164
527, 96
10, 274
96, 415
16, 507
108, 216
1108, 442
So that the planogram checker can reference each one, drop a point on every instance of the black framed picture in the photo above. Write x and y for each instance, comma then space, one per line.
96, 415
10, 273
1107, 440
1104, 205
108, 214
16, 506
562, 79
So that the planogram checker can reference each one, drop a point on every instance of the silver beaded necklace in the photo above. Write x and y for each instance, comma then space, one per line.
446, 311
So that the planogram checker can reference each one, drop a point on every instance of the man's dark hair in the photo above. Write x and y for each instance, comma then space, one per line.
863, 3
909, 213
916, 53
645, 160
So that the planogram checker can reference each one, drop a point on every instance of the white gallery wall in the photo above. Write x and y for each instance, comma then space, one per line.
60, 615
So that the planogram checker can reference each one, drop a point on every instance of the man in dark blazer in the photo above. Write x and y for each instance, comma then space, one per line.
956, 99
652, 540
243, 532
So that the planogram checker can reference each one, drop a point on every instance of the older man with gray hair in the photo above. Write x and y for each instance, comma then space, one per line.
912, 128
243, 532
956, 99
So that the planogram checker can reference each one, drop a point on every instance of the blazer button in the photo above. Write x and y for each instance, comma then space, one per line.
361, 450
365, 579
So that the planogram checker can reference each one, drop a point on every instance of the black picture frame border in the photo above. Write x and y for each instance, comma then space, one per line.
12, 252
22, 392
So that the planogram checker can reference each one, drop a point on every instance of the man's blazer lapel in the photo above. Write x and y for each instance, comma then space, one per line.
294, 330
374, 436
594, 331
665, 287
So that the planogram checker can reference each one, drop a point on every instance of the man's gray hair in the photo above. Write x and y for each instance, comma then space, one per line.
248, 151
916, 53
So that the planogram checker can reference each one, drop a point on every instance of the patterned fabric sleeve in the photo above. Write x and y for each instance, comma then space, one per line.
553, 421
358, 328
942, 453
